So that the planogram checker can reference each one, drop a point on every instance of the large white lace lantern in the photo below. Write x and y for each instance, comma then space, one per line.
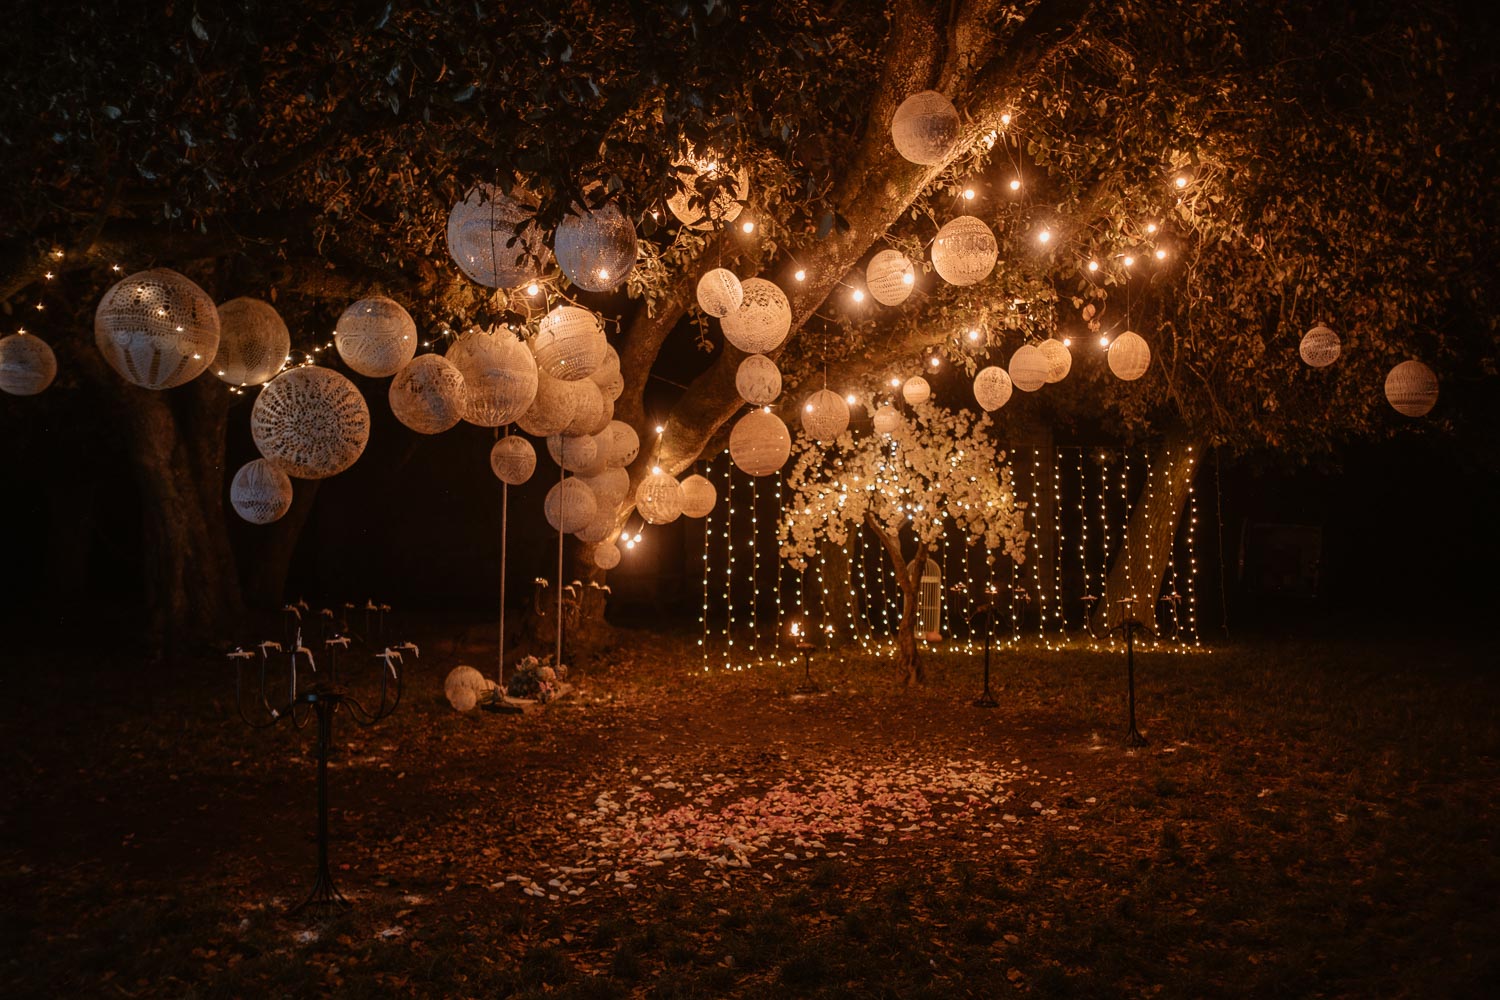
513, 460
624, 444
992, 388
464, 687
1320, 347
825, 415
1028, 368
723, 208
610, 487
758, 380
759, 444
157, 329
27, 364
890, 277
925, 128
606, 555
763, 319
916, 391
1412, 388
720, 292
569, 343
595, 248
573, 453
482, 239
552, 408
260, 493
253, 342
570, 506
964, 251
887, 419
658, 499
698, 496
499, 373
310, 422
1129, 356
1059, 360
428, 394
591, 412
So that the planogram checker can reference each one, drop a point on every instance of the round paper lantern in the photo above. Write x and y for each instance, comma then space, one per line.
1320, 347
964, 251
1412, 388
552, 408
825, 415
1059, 359
597, 465
27, 364
464, 686
260, 493
610, 487
499, 373
916, 390
992, 388
601, 527
720, 292
376, 336
595, 248
1129, 356
758, 380
572, 453
890, 277
513, 460
1028, 368
763, 319
569, 343
759, 444
310, 422
157, 329
428, 395
724, 207
925, 127
611, 384
570, 506
887, 419
606, 555
658, 499
624, 444
483, 243
589, 409
698, 496
253, 342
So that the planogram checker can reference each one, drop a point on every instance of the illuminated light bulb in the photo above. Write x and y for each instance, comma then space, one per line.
808, 407
220, 374
1151, 227
859, 295
1180, 181
765, 409
1045, 236
968, 194
1093, 265
895, 383
113, 267
655, 214
908, 278
850, 399
801, 275
1161, 255
934, 361
637, 536
533, 288
748, 226
973, 334
630, 544
1103, 341
656, 470
1067, 341
603, 274
1129, 261
1015, 184
1005, 118
49, 275
660, 429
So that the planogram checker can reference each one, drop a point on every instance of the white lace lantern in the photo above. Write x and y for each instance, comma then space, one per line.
591, 413
1412, 388
720, 292
610, 487
606, 555
572, 453
1320, 347
759, 444
1129, 356
763, 319
499, 373
890, 277
596, 248
27, 364
611, 384
428, 394
887, 419
624, 444
725, 205
964, 251
916, 391
825, 415
570, 506
552, 409
310, 422
513, 460
698, 496
157, 329
1059, 360
260, 493
1028, 368
758, 380
483, 243
569, 343
464, 686
925, 128
253, 342
658, 499
992, 388
376, 336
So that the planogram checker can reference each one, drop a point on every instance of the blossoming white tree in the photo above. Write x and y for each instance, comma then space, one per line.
937, 467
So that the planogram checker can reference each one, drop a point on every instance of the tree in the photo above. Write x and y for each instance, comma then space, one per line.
938, 467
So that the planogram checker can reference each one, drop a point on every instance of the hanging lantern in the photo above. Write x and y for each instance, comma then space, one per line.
591, 413
758, 380
310, 422
759, 444
687, 204
658, 499
825, 415
598, 465
1059, 360
428, 394
887, 419
569, 343
596, 248
992, 388
157, 329
1028, 368
483, 240
253, 342
890, 277
1129, 356
552, 408
499, 373
464, 686
720, 292
570, 506
27, 364
610, 487
1412, 389
572, 453
624, 444
698, 496
513, 460
763, 319
611, 383
964, 251
916, 391
925, 128
606, 555
260, 493
1320, 347
376, 336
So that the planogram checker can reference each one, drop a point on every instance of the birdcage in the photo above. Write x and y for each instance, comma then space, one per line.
930, 603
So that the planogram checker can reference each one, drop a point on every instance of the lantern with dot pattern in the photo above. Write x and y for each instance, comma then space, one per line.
596, 248
887, 419
157, 329
1129, 356
992, 388
1028, 368
570, 506
610, 487
428, 394
658, 499
606, 555
758, 380
1059, 360
964, 251
569, 343
763, 319
253, 342
376, 336
825, 415
890, 277
1412, 389
310, 422
916, 391
1320, 347
723, 207
572, 453
483, 240
720, 292
698, 496
624, 444
552, 408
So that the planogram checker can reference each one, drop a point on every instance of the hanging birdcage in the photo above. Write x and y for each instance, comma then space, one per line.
930, 602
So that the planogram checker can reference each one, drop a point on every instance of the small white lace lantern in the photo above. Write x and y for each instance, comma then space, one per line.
698, 496
569, 343
916, 391
253, 342
157, 329
376, 336
890, 277
1059, 360
591, 412
720, 292
499, 373
1320, 347
513, 460
606, 555
464, 686
887, 419
658, 499
825, 415
483, 243
428, 394
1129, 356
964, 251
573, 453
992, 388
596, 248
27, 364
610, 487
552, 409
758, 380
925, 128
624, 444
260, 493
763, 319
570, 506
1412, 388
611, 384
759, 444
1028, 368
310, 422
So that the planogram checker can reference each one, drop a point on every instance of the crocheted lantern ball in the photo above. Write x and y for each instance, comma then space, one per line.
698, 496
916, 391
624, 444
591, 412
253, 342
610, 487
658, 499
1059, 360
376, 336
759, 444
611, 384
310, 422
27, 364
569, 343
464, 686
595, 248
723, 207
964, 251
720, 292
483, 240
602, 526
992, 388
499, 373
763, 319
1320, 347
925, 127
758, 380
572, 453
890, 277
428, 395
551, 409
513, 460
157, 329
260, 493
606, 555
1412, 388
570, 506
887, 419
1028, 368
825, 415
1129, 356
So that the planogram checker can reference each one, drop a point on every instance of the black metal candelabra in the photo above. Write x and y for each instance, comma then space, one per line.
986, 611
1130, 626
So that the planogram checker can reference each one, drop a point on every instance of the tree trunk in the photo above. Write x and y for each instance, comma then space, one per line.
264, 578
838, 590
909, 577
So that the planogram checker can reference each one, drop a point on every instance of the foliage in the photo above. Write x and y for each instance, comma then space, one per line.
535, 677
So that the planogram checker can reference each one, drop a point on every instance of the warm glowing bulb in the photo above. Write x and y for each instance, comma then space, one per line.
1005, 118
808, 407
895, 382
973, 334
850, 399
968, 194
1129, 261
656, 470
859, 295
1161, 255
801, 275
934, 361
765, 409
748, 226
1150, 227
1103, 341
1045, 236
1093, 265
908, 278
603, 274
1067, 341
1181, 182
533, 288
637, 536
1015, 184
630, 544
655, 214
660, 429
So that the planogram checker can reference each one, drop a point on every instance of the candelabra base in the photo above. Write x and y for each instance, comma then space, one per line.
1134, 738
986, 700
324, 898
